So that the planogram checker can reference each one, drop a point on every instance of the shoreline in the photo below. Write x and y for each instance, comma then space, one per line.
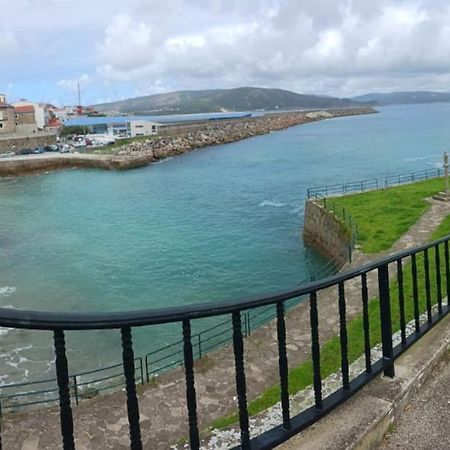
161, 147
141, 153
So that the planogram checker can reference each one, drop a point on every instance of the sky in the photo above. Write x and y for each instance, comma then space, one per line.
118, 49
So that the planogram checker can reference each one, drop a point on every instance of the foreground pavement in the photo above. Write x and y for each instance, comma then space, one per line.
425, 422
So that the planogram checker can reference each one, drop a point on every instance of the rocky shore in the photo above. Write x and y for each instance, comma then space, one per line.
218, 133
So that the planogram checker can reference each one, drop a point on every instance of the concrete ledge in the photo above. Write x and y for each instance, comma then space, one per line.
362, 422
30, 164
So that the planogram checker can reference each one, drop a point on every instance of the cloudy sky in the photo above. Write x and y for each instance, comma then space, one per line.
122, 48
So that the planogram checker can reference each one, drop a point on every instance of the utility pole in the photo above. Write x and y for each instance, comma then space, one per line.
79, 95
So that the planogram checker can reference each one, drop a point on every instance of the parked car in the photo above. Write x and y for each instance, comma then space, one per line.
38, 150
7, 154
25, 151
51, 148
64, 148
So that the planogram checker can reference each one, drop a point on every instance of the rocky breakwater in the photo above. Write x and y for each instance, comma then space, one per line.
218, 133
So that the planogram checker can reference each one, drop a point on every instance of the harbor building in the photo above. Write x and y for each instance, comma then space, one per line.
120, 127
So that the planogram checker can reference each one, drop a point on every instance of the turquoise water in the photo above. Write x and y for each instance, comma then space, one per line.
217, 223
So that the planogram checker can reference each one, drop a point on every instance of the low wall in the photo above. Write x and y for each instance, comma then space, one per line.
12, 144
323, 232
42, 163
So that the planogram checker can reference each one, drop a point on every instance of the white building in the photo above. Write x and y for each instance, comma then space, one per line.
115, 126
143, 128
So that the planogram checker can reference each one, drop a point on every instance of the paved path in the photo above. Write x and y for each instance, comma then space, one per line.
425, 423
101, 423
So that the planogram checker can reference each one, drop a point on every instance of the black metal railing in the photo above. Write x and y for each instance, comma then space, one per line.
87, 384
423, 292
372, 183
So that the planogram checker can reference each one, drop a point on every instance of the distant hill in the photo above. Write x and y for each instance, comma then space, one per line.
216, 100
399, 98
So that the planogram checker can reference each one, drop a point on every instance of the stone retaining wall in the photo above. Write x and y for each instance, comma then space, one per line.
323, 231
13, 144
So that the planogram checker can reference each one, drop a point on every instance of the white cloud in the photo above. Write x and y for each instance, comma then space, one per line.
148, 45
8, 42
71, 85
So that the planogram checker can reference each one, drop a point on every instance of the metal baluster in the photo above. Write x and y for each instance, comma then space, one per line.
283, 365
315, 349
415, 293
365, 300
238, 347
427, 285
386, 323
438, 278
343, 338
401, 300
191, 398
447, 271
132, 402
62, 374
1, 420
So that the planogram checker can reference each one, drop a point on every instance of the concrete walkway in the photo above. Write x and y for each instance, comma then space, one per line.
425, 422
102, 423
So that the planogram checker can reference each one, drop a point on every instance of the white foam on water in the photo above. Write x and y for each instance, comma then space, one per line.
161, 161
416, 158
6, 291
271, 203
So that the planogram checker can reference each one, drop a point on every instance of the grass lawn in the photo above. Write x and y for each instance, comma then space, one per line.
383, 216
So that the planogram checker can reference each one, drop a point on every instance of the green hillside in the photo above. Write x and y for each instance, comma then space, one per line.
239, 99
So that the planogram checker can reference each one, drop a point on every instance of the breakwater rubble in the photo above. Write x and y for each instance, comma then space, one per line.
158, 148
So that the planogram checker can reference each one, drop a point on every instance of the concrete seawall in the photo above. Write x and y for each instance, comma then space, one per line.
31, 164
323, 232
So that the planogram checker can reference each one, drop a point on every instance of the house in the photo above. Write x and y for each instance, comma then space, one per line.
40, 112
7, 119
25, 119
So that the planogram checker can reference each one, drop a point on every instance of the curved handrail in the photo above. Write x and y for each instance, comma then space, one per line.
47, 320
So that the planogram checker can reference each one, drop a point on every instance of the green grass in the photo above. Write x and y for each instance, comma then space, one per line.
383, 216
114, 148
302, 376
442, 230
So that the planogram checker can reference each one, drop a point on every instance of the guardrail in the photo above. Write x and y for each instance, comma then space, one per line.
373, 183
436, 285
87, 384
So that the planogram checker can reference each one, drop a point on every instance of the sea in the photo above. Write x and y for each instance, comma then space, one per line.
219, 223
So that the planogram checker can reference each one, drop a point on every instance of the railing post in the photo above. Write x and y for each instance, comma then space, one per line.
62, 374
75, 389
1, 419
386, 322
132, 402
147, 375
199, 336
